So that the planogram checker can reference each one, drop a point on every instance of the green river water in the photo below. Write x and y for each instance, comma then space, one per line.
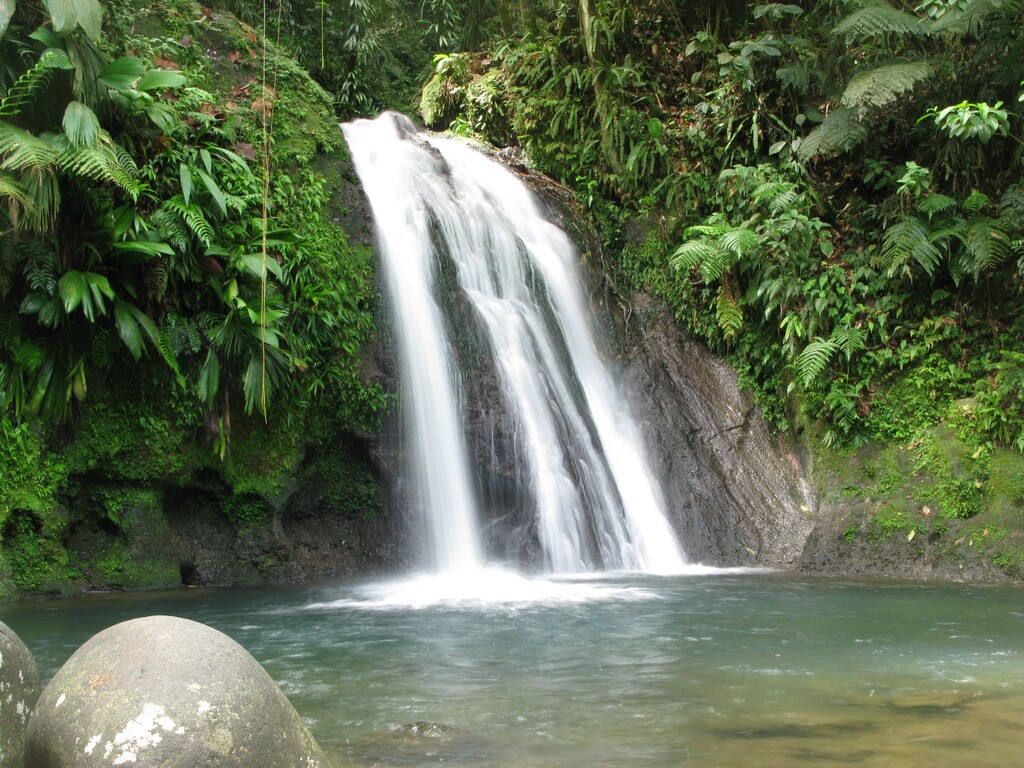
729, 669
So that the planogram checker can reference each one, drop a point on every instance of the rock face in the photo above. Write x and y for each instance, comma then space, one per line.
19, 690
736, 493
168, 692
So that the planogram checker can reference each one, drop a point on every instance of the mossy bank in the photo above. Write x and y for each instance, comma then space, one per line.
147, 483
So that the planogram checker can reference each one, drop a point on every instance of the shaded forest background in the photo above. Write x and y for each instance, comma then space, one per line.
827, 194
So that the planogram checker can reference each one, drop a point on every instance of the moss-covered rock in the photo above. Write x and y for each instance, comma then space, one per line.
141, 491
939, 506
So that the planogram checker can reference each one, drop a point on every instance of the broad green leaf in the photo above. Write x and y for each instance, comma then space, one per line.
161, 79
254, 263
207, 160
153, 248
99, 285
208, 383
73, 289
6, 11
234, 158
81, 125
144, 322
121, 74
34, 302
128, 329
214, 190
186, 182
90, 17
62, 15
276, 238
48, 37
162, 115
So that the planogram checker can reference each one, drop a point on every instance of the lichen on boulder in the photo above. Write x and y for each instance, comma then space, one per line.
165, 691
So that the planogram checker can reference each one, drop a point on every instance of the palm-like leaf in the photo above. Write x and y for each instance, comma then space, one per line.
81, 125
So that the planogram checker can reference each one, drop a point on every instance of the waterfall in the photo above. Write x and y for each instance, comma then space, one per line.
442, 207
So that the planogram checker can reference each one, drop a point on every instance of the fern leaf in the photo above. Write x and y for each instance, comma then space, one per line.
987, 244
719, 262
30, 81
785, 201
878, 18
935, 203
728, 312
691, 254
23, 151
881, 86
814, 359
908, 240
976, 201
43, 192
849, 340
739, 241
838, 132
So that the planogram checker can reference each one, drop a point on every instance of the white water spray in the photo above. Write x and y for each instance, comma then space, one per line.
596, 503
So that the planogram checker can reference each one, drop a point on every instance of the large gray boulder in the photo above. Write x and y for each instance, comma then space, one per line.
164, 691
19, 690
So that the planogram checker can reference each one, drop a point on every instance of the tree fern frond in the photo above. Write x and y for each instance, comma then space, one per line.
17, 198
908, 240
963, 20
878, 18
814, 359
718, 262
880, 86
838, 132
786, 200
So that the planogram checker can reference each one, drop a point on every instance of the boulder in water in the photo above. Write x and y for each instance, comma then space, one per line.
19, 690
164, 691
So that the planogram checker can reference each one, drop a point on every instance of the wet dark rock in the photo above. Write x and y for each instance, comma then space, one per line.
736, 492
168, 692
19, 690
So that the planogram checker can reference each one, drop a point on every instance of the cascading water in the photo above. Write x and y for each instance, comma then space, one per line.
596, 503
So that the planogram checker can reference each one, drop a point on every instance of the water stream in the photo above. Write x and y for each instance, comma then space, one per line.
439, 204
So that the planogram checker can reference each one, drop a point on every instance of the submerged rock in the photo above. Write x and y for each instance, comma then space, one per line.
164, 691
19, 690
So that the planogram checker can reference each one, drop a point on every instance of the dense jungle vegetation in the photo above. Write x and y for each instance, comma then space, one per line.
828, 194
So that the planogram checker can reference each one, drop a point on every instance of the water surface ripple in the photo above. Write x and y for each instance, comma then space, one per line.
728, 670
